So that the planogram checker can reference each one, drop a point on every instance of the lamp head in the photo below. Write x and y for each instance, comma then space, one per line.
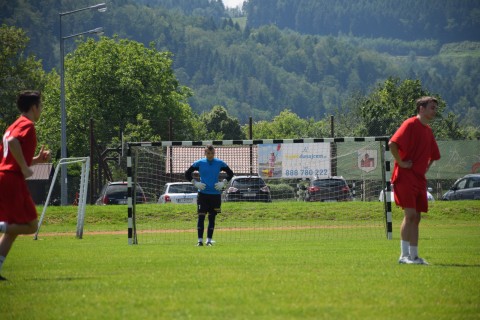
97, 31
101, 7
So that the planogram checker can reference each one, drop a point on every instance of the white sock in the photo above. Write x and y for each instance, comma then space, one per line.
3, 227
413, 252
200, 239
2, 259
405, 246
209, 239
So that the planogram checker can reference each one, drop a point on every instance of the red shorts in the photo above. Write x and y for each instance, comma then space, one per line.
410, 192
16, 203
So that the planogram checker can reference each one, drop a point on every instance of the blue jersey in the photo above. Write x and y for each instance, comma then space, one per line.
209, 172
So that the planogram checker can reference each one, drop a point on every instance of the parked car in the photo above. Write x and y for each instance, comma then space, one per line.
392, 198
116, 193
178, 192
247, 188
328, 190
466, 188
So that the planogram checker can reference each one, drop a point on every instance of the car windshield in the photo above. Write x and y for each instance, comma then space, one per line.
182, 188
117, 190
248, 183
328, 183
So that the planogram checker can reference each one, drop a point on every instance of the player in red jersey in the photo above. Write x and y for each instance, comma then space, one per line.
414, 148
17, 153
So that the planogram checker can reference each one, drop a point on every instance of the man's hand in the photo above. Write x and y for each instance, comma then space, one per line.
220, 185
43, 156
407, 164
198, 185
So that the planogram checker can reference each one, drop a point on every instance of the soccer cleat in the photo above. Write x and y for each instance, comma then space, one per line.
3, 278
209, 244
417, 260
403, 260
200, 244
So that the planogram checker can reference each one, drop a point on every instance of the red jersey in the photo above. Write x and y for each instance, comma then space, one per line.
23, 129
415, 142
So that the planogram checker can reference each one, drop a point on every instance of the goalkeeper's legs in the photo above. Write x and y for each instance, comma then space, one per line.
200, 226
211, 226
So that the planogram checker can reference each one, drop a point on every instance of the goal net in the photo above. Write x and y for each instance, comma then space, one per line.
79, 169
316, 189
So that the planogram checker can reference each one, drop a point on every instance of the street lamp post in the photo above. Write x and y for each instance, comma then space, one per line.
101, 7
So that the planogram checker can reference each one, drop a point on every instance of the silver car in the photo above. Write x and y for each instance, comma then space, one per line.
178, 193
392, 199
466, 188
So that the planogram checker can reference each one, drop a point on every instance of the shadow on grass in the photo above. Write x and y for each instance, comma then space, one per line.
458, 265
62, 279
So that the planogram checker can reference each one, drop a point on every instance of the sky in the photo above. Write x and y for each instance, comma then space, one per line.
232, 3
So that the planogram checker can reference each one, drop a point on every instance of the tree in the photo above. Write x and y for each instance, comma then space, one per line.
127, 89
220, 125
17, 72
288, 125
392, 102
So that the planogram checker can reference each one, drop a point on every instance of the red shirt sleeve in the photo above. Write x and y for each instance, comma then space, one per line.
24, 131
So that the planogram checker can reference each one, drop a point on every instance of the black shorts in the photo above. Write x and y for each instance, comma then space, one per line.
209, 203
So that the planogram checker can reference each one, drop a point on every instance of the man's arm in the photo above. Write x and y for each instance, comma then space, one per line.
229, 172
396, 154
220, 185
16, 149
189, 173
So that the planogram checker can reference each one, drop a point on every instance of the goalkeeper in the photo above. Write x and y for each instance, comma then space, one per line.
209, 198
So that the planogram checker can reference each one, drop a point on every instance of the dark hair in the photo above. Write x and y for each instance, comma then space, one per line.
423, 101
28, 98
209, 147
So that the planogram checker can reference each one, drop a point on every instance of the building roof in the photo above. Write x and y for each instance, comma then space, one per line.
237, 158
41, 171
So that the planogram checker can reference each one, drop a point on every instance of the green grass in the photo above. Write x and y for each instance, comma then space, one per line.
101, 277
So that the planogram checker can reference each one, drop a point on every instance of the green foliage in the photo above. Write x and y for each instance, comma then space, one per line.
48, 127
280, 191
392, 102
261, 71
17, 72
126, 88
407, 20
220, 126
288, 125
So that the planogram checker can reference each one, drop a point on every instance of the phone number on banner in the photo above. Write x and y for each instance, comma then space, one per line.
302, 173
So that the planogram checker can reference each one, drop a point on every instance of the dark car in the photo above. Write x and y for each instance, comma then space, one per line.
466, 188
247, 188
116, 193
328, 189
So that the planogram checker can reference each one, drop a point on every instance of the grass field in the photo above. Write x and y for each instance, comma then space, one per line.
101, 277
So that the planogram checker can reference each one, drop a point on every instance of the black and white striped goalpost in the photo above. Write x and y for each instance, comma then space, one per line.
386, 166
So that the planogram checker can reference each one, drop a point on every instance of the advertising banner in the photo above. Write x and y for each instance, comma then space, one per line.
294, 160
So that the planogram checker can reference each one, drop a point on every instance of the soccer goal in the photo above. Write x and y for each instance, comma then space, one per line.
81, 191
318, 189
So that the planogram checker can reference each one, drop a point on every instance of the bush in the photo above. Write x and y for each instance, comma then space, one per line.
282, 191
